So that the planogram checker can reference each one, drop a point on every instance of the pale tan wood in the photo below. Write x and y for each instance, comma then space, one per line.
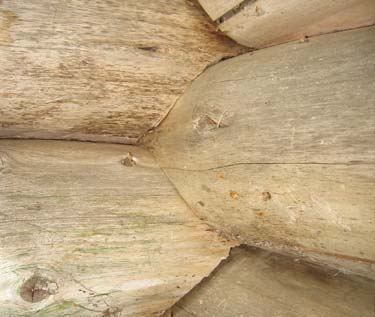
307, 102
265, 23
217, 8
324, 212
102, 71
257, 283
278, 148
97, 230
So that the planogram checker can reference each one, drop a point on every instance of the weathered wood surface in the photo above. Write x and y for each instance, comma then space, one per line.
278, 148
91, 230
263, 23
257, 283
217, 8
99, 71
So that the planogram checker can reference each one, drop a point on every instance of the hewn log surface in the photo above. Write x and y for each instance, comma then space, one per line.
263, 23
217, 8
278, 148
257, 283
94, 230
99, 70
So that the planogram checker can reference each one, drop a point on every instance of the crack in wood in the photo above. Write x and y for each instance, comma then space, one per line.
266, 163
234, 11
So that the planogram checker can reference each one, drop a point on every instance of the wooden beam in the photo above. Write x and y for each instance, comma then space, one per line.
95, 230
217, 8
100, 71
277, 148
263, 23
257, 283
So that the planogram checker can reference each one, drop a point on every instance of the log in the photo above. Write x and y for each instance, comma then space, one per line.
264, 23
256, 283
95, 230
217, 8
100, 71
277, 148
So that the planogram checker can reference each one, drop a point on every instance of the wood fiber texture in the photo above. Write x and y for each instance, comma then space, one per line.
95, 230
277, 148
217, 8
263, 23
99, 70
256, 283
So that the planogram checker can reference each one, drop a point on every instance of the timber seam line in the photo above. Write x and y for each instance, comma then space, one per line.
235, 10
275, 163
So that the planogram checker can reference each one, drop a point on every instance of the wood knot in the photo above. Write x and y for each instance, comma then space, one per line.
266, 196
37, 288
129, 160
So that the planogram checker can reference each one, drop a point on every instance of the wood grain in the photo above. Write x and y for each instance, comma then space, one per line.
263, 23
325, 213
278, 148
95, 230
257, 283
100, 71
217, 8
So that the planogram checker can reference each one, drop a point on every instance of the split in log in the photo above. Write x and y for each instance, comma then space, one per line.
278, 148
99, 71
95, 230
217, 8
263, 23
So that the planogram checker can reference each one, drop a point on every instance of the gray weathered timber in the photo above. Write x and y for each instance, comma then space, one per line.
278, 148
325, 213
95, 230
263, 23
99, 70
257, 283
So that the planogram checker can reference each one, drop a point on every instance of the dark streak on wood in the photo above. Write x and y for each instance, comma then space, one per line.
99, 71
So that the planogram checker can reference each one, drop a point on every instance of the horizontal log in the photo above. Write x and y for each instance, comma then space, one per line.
257, 283
217, 8
277, 148
265, 23
100, 71
95, 230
